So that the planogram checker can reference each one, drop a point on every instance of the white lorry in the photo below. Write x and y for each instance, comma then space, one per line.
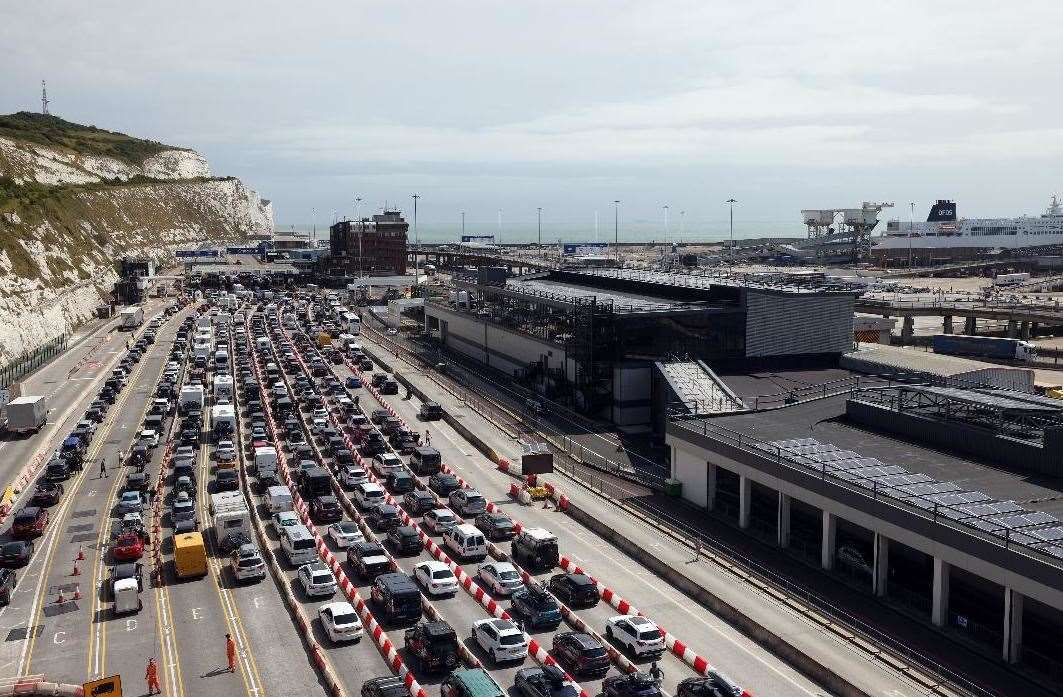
223, 421
26, 414
130, 317
266, 464
191, 399
231, 515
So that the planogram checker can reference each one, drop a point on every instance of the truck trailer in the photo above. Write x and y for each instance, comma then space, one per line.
983, 347
26, 414
131, 317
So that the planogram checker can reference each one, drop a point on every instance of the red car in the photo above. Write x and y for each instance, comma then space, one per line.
128, 547
30, 522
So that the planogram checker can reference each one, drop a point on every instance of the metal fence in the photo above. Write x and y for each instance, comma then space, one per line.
31, 360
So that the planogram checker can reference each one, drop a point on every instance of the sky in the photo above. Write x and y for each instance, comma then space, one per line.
569, 106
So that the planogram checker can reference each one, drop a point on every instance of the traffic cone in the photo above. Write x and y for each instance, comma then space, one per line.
77, 591
77, 571
81, 553
60, 599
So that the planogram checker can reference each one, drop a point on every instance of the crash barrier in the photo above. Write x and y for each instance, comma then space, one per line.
34, 685
29, 361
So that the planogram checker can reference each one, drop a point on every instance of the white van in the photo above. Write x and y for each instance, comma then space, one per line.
298, 545
466, 542
223, 387
126, 596
278, 499
368, 494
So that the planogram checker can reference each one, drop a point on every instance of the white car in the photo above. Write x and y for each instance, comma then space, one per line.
340, 621
368, 494
319, 414
283, 520
318, 425
439, 520
317, 579
636, 634
386, 463
345, 533
500, 577
351, 477
436, 577
149, 436
185, 452
501, 639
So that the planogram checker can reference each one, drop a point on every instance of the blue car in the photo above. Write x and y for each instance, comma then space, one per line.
354, 382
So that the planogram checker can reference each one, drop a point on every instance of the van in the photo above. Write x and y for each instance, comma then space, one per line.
466, 542
425, 461
397, 597
189, 555
298, 544
278, 499
472, 682
126, 596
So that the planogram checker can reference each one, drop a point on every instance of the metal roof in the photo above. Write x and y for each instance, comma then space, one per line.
915, 361
1005, 400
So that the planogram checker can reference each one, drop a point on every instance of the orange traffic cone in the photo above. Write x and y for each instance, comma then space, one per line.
77, 571
81, 552
77, 591
60, 599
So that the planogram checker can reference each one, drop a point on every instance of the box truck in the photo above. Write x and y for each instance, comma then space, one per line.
131, 317
983, 347
191, 399
189, 555
266, 464
26, 414
231, 515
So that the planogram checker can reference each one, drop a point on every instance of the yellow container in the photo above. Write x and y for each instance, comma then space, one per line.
189, 555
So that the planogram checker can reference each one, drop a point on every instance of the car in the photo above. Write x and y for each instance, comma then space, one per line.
183, 515
582, 653
405, 540
385, 463
354, 382
467, 502
29, 522
57, 470
325, 509
17, 553
284, 519
443, 483
319, 414
418, 502
630, 685
318, 426
501, 639
439, 520
340, 622
227, 480
535, 607
434, 645
636, 634
225, 452
495, 526
368, 558
128, 546
436, 577
351, 476
384, 517
547, 681
149, 437
500, 577
345, 533
134, 570
368, 494
574, 590
246, 562
389, 686
379, 415
8, 581
47, 494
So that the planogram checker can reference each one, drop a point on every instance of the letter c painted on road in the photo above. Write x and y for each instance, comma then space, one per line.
59, 638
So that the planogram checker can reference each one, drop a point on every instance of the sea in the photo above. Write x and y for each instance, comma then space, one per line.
635, 231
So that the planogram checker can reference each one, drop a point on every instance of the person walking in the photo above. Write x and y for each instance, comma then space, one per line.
230, 652
103, 467
152, 676
427, 437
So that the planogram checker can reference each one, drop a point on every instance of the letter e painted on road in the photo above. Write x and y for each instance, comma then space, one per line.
195, 613
257, 600
130, 625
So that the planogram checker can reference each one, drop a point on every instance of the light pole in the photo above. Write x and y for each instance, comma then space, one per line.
682, 222
463, 224
911, 230
666, 233
540, 209
313, 227
358, 221
499, 240
731, 203
417, 242
616, 230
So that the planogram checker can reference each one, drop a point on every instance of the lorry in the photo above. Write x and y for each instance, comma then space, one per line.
1010, 279
26, 414
984, 347
191, 399
231, 516
130, 317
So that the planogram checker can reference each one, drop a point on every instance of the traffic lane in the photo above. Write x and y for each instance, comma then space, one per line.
725, 647
80, 524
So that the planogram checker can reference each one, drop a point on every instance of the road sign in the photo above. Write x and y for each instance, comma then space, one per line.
583, 248
111, 687
481, 239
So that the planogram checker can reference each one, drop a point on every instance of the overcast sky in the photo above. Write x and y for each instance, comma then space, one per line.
570, 105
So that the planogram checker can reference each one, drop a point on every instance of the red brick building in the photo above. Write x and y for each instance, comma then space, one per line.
373, 246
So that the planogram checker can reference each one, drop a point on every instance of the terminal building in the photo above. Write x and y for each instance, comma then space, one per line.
943, 502
600, 339
374, 246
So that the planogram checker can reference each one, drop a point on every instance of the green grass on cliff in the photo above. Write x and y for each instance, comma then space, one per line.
54, 132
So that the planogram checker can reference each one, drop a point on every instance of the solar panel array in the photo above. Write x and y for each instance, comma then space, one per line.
974, 509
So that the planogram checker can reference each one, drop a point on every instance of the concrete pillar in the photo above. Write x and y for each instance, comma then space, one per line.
908, 328
744, 495
784, 520
1013, 329
710, 487
1012, 649
830, 530
1035, 329
939, 612
881, 564
947, 324
1024, 330
970, 326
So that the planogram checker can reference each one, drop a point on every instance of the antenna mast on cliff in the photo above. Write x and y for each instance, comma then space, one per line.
44, 98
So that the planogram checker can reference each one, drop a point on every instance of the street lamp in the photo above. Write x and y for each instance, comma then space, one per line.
463, 224
417, 242
540, 209
499, 240
911, 231
616, 230
358, 222
731, 203
666, 233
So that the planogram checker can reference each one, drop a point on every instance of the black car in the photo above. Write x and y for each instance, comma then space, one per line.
368, 558
8, 580
384, 517
574, 590
547, 681
405, 540
581, 653
400, 483
47, 494
496, 526
16, 554
418, 502
379, 415
536, 608
630, 685
443, 483
389, 387
713, 685
58, 470
227, 480
326, 509
190, 436
384, 687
